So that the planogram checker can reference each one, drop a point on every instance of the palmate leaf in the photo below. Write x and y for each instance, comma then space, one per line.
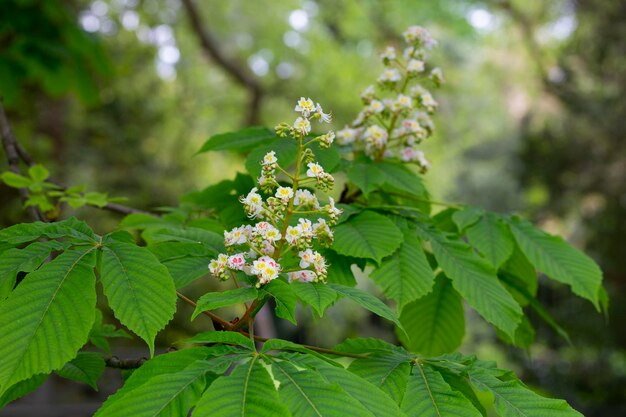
247, 392
28, 259
560, 261
436, 322
513, 399
406, 275
240, 141
474, 279
139, 289
428, 395
308, 395
166, 395
318, 295
86, 367
47, 318
492, 239
215, 300
367, 235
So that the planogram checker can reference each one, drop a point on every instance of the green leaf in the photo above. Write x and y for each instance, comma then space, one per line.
513, 399
241, 141
366, 176
140, 290
368, 345
230, 338
70, 228
402, 179
22, 388
308, 395
185, 261
435, 323
316, 294
367, 301
38, 172
375, 400
519, 267
286, 345
466, 217
101, 331
247, 391
474, 279
492, 239
172, 394
367, 235
211, 240
560, 261
285, 299
388, 371
214, 300
406, 275
86, 367
28, 259
47, 318
340, 271
428, 395
15, 180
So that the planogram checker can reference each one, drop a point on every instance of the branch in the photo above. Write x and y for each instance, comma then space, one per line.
12, 150
115, 362
232, 67
218, 322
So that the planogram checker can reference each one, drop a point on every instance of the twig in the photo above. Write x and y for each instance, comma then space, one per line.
232, 67
218, 322
117, 363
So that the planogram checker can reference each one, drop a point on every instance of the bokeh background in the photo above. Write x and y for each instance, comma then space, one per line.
119, 95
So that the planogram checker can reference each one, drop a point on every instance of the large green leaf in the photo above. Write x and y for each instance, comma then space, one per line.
86, 367
559, 260
285, 299
215, 300
366, 176
186, 261
388, 371
401, 178
170, 394
406, 275
247, 392
240, 141
340, 271
474, 279
286, 345
47, 318
28, 259
140, 290
513, 399
492, 238
435, 323
428, 395
367, 235
308, 395
231, 338
211, 240
369, 395
70, 228
318, 295
368, 301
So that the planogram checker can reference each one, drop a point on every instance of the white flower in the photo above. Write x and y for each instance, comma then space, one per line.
237, 236
419, 36
217, 266
269, 158
302, 276
333, 211
368, 94
327, 139
390, 75
324, 117
376, 136
284, 194
305, 106
421, 159
415, 66
292, 234
346, 136
253, 198
305, 198
306, 258
268, 232
389, 54
306, 226
237, 261
428, 101
302, 125
404, 102
315, 170
266, 268
376, 106
408, 154
437, 76
417, 90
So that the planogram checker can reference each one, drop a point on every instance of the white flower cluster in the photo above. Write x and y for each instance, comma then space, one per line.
282, 224
396, 118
